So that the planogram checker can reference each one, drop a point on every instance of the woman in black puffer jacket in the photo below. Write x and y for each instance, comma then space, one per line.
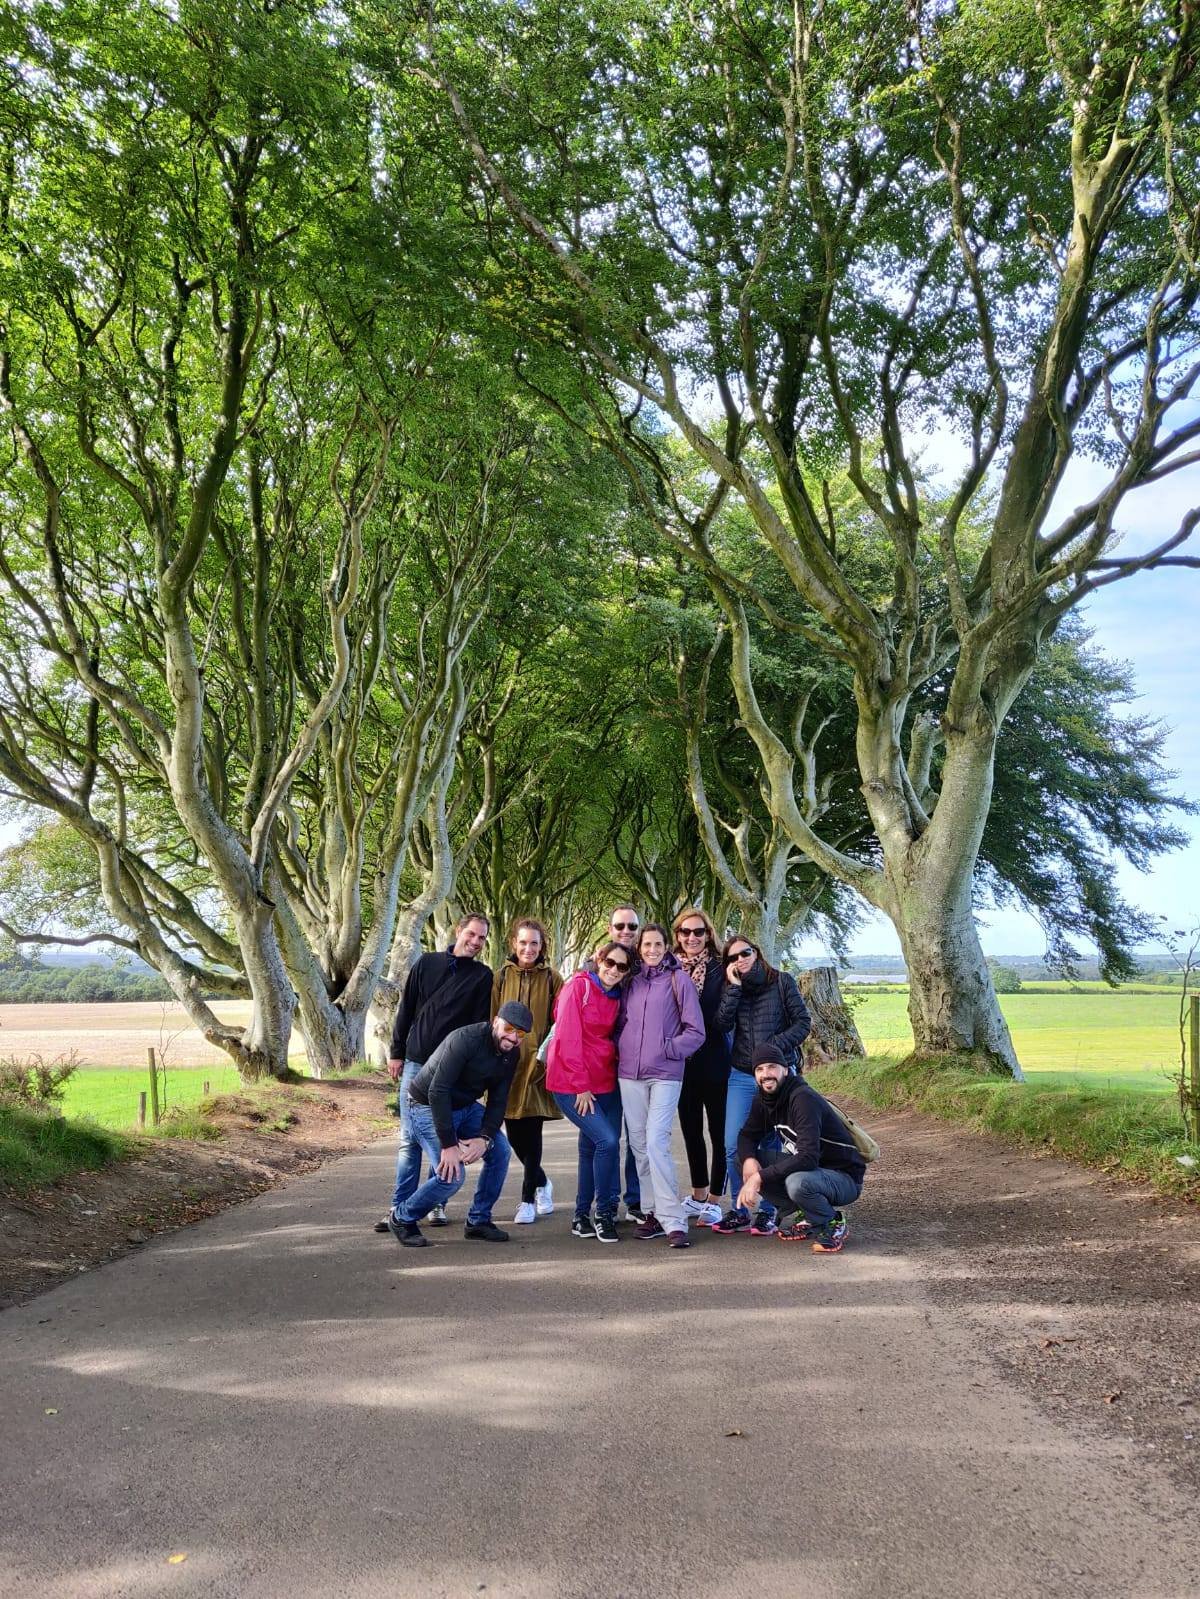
759, 1005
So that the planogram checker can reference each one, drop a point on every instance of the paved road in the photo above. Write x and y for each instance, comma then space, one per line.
303, 1409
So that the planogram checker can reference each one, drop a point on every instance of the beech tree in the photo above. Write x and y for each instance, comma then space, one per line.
804, 236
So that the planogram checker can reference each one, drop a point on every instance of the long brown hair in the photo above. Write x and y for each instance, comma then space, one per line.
771, 975
529, 921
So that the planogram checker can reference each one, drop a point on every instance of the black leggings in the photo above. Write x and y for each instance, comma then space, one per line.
699, 1098
524, 1133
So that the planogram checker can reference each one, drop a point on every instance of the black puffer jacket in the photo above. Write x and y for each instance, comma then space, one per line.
760, 1012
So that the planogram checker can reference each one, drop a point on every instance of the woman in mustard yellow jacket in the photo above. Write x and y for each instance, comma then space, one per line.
527, 975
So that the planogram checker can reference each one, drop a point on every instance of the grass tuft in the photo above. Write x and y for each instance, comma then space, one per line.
40, 1146
187, 1121
1123, 1131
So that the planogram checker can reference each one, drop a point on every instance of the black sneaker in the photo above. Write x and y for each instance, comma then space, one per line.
407, 1233
635, 1213
381, 1226
582, 1227
487, 1231
606, 1230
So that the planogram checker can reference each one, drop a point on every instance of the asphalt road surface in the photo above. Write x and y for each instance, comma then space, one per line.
297, 1407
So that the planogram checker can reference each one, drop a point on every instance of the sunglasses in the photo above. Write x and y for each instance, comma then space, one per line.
693, 932
624, 927
617, 966
739, 954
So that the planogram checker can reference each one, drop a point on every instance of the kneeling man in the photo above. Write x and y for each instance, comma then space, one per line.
455, 1130
819, 1169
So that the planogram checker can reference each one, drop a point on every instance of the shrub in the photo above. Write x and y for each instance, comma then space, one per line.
35, 1081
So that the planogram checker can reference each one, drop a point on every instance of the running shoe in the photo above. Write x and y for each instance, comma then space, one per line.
694, 1207
709, 1215
736, 1220
830, 1239
543, 1199
651, 1228
525, 1213
582, 1227
438, 1217
678, 1240
796, 1231
765, 1224
606, 1230
635, 1213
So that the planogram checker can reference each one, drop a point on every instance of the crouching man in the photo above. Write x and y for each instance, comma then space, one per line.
455, 1130
818, 1170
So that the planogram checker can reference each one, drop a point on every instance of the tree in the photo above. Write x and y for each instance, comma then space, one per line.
844, 226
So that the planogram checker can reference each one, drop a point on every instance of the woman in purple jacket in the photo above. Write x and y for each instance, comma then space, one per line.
661, 1025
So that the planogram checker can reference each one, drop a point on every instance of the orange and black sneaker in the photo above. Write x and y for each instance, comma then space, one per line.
830, 1239
797, 1231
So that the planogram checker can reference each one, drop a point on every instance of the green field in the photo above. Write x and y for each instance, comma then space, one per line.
1117, 1037
110, 1096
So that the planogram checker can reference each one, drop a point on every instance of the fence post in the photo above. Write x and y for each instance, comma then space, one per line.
206, 1088
1193, 1093
142, 1108
150, 1061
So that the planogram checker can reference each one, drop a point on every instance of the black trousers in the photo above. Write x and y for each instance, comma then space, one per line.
701, 1097
524, 1133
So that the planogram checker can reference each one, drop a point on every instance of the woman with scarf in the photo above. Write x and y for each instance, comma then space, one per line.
759, 1005
706, 1073
661, 1025
528, 976
581, 1073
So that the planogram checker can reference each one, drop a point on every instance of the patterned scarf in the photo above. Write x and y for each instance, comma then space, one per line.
695, 966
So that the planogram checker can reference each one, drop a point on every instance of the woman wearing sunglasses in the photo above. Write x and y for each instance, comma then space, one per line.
759, 1005
706, 1073
581, 1073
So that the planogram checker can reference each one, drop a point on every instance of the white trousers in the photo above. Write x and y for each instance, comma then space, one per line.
649, 1106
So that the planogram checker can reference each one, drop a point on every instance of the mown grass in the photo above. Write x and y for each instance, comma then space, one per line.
38, 1147
1128, 1039
110, 1096
1124, 1132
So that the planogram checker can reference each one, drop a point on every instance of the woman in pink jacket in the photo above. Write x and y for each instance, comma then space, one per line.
581, 1073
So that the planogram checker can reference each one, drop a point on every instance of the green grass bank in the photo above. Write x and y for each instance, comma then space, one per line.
38, 1147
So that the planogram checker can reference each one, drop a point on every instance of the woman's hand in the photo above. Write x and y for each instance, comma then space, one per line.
585, 1104
733, 975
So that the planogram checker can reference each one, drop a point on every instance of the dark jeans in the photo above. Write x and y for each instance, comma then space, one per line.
699, 1098
493, 1168
633, 1187
525, 1136
818, 1193
599, 1177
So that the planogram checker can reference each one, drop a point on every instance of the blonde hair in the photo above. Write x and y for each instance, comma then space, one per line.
714, 943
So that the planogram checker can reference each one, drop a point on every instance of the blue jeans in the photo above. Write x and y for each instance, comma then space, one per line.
599, 1176
435, 1190
739, 1096
408, 1157
818, 1193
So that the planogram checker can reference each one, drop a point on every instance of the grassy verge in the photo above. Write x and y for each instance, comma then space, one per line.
37, 1147
1125, 1132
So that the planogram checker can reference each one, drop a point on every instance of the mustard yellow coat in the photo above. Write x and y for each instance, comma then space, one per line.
537, 987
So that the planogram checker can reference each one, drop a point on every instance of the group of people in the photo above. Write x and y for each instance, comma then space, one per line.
657, 1025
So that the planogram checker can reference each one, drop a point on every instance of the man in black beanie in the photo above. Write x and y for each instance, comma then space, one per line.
455, 1130
818, 1170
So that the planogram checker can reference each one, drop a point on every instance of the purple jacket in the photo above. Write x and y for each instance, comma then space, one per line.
661, 1023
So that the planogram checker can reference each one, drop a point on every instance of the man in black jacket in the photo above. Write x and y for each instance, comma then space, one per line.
818, 1170
444, 990
455, 1129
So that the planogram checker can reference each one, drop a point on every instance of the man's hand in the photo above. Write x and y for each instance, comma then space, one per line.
472, 1149
450, 1166
585, 1104
395, 1067
751, 1188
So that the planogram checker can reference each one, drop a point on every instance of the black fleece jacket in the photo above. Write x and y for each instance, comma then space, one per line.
810, 1132
463, 1068
443, 991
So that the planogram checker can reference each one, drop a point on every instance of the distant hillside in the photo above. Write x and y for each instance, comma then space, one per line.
29, 982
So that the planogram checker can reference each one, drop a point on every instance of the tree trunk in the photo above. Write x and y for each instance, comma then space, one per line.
334, 1040
952, 1004
834, 1035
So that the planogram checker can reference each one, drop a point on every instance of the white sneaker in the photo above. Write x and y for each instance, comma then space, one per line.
525, 1212
692, 1206
708, 1215
544, 1199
